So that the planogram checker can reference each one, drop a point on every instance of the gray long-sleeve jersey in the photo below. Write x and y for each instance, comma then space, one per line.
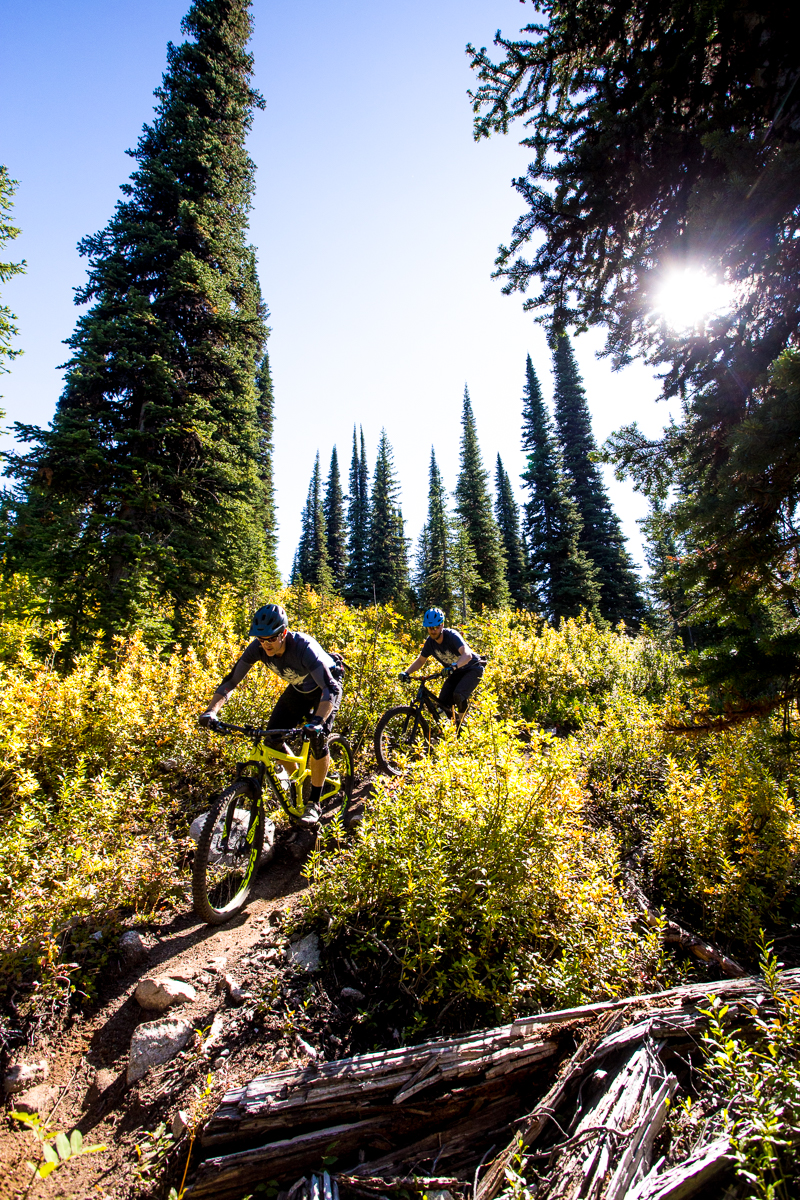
303, 664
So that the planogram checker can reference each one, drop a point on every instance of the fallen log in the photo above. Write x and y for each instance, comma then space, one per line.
612, 1142
449, 1099
676, 935
689, 1177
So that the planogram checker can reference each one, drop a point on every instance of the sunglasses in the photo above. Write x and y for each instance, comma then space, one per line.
276, 637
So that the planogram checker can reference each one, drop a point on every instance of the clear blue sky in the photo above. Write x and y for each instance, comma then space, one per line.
376, 221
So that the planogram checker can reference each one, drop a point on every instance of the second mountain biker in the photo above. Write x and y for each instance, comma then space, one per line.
313, 695
449, 648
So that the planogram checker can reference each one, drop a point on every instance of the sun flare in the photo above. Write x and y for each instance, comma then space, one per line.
689, 297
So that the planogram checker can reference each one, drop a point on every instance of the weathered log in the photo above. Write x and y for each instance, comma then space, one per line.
545, 1110
415, 1184
613, 1139
689, 1177
227, 1177
676, 935
445, 1098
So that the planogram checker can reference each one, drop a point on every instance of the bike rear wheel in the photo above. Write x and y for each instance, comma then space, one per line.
400, 735
228, 853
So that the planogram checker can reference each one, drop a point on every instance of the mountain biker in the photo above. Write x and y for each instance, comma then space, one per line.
448, 647
312, 697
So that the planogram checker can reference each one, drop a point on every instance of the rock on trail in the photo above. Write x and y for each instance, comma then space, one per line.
158, 993
25, 1075
156, 1042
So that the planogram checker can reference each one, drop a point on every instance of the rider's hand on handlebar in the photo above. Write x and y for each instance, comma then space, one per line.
208, 720
404, 676
314, 722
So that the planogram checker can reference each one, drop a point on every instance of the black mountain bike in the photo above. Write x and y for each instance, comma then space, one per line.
407, 730
231, 843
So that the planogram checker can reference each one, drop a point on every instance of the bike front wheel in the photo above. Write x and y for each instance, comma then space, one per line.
400, 735
341, 769
228, 853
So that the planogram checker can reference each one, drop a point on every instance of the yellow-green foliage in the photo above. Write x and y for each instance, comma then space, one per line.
728, 838
491, 870
479, 871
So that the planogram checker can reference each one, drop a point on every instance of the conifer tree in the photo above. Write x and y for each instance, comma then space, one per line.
311, 563
7, 269
265, 408
433, 582
601, 537
465, 577
474, 507
388, 557
562, 579
358, 588
333, 507
507, 512
149, 480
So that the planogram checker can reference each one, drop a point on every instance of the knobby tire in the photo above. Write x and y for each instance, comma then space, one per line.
222, 882
400, 729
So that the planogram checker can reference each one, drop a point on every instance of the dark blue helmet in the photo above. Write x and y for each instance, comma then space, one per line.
269, 620
432, 618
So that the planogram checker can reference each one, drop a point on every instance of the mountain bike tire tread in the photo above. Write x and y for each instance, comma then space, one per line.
419, 730
203, 907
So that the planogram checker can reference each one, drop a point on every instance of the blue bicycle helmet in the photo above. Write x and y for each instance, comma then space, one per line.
269, 620
432, 618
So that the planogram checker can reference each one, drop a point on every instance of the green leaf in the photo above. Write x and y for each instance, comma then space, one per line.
62, 1146
75, 1141
49, 1154
45, 1168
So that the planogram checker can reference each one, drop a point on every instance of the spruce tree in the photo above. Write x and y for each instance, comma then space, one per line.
601, 537
388, 558
333, 507
265, 408
562, 580
465, 577
149, 480
358, 589
507, 512
7, 269
433, 582
474, 507
311, 563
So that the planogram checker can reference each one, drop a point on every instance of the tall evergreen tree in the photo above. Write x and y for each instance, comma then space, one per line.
7, 269
474, 507
333, 507
601, 537
562, 579
388, 557
311, 564
465, 576
433, 577
358, 588
265, 408
507, 513
148, 481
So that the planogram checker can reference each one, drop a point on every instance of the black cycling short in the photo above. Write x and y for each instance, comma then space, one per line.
293, 708
459, 686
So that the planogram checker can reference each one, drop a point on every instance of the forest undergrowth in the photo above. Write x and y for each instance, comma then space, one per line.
485, 883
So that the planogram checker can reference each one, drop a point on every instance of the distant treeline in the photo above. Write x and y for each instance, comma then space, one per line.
564, 553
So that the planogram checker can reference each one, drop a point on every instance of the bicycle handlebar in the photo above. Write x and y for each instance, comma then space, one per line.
256, 732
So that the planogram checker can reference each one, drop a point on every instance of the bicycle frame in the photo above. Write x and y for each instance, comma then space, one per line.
426, 699
265, 758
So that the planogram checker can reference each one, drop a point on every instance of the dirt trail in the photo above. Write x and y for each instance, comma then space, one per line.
257, 1035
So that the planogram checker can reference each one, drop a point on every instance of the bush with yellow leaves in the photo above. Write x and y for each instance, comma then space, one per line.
489, 872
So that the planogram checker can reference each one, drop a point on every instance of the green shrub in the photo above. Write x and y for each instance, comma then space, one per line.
479, 874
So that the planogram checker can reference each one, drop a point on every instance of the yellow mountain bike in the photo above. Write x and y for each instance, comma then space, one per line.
237, 834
